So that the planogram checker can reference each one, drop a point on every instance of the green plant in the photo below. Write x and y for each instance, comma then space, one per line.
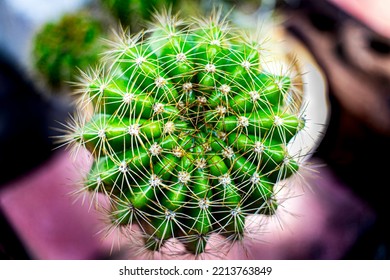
133, 12
61, 47
187, 130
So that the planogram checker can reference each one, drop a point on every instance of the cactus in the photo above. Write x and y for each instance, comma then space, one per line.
188, 132
133, 12
60, 47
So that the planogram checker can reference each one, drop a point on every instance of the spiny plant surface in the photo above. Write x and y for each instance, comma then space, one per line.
188, 132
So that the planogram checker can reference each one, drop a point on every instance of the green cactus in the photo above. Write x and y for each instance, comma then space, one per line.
188, 132
133, 12
61, 47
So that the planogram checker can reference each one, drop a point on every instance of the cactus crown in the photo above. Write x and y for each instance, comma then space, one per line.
187, 132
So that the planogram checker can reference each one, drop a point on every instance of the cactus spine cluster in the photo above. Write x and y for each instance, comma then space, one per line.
188, 133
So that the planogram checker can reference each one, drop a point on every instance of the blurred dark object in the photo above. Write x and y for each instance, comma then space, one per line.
356, 61
356, 58
26, 118
11, 248
23, 142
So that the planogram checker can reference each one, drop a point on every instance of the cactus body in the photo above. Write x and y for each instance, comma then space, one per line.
189, 134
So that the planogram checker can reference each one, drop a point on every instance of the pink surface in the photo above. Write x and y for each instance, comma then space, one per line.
374, 13
47, 217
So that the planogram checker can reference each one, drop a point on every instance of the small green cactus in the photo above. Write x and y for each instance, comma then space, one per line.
188, 132
60, 47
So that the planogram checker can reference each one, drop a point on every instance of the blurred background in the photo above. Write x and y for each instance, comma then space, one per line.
340, 212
